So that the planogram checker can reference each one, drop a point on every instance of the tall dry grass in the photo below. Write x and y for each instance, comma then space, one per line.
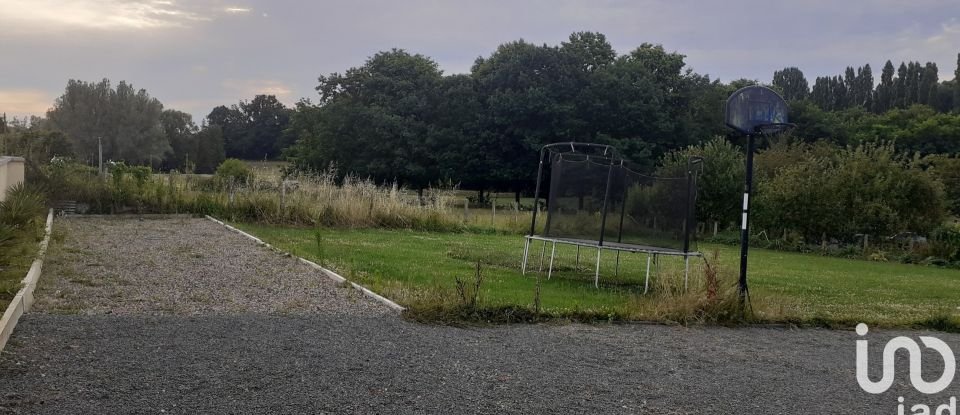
317, 199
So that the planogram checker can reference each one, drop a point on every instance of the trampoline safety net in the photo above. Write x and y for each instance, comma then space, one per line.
600, 200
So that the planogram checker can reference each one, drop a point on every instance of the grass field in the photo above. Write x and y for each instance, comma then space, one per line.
410, 267
17, 256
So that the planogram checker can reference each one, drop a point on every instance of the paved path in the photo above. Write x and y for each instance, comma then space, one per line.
163, 350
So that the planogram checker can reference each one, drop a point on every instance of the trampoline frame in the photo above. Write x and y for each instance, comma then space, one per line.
653, 253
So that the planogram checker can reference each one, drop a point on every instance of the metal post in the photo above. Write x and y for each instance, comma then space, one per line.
553, 253
617, 272
686, 219
744, 226
526, 254
577, 267
596, 276
283, 195
100, 155
646, 282
606, 196
686, 271
536, 195
543, 251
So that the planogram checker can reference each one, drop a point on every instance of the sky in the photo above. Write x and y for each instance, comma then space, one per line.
196, 54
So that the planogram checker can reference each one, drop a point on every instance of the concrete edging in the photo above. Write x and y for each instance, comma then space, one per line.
330, 274
22, 302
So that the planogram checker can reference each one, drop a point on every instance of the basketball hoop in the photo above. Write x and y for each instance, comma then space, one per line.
753, 111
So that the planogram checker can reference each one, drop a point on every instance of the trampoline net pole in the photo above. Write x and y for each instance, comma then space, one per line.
536, 194
606, 200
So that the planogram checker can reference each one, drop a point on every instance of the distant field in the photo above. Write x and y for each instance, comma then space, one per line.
785, 286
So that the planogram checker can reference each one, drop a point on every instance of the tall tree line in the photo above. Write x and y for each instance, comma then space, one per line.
399, 118
909, 84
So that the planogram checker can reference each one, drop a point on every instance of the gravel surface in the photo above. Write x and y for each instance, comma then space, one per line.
180, 266
342, 355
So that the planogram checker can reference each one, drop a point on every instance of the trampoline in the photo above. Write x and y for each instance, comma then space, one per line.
597, 200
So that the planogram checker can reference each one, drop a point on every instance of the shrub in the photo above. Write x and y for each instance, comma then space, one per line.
25, 206
867, 189
235, 171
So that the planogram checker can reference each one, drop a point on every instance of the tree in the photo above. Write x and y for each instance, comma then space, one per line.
525, 106
179, 129
867, 189
792, 84
375, 121
947, 170
126, 120
813, 123
822, 93
945, 96
851, 86
841, 95
900, 99
865, 96
885, 91
209, 151
253, 130
913, 83
956, 86
927, 93
720, 184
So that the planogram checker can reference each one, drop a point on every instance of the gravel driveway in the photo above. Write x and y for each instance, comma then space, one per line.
162, 319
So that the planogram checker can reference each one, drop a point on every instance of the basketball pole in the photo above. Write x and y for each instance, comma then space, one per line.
745, 226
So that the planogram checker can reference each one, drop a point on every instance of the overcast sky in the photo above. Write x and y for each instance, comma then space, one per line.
196, 54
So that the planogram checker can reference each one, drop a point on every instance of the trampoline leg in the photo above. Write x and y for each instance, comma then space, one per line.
577, 267
553, 252
526, 253
617, 272
686, 271
646, 282
596, 276
543, 251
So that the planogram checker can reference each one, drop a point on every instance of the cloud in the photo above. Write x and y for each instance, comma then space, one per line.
22, 102
111, 14
247, 88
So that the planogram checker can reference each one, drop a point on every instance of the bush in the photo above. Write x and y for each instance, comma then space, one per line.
234, 171
24, 207
868, 189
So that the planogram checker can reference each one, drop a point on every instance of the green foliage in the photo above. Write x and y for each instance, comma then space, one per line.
35, 144
947, 170
127, 120
416, 126
792, 84
945, 243
21, 223
867, 189
253, 130
234, 171
23, 207
720, 183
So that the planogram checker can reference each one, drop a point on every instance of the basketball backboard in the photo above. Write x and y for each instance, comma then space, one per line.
754, 107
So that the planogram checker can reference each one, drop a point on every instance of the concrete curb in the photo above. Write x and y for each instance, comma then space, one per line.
330, 274
22, 302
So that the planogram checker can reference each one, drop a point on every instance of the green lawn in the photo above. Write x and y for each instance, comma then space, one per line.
407, 266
